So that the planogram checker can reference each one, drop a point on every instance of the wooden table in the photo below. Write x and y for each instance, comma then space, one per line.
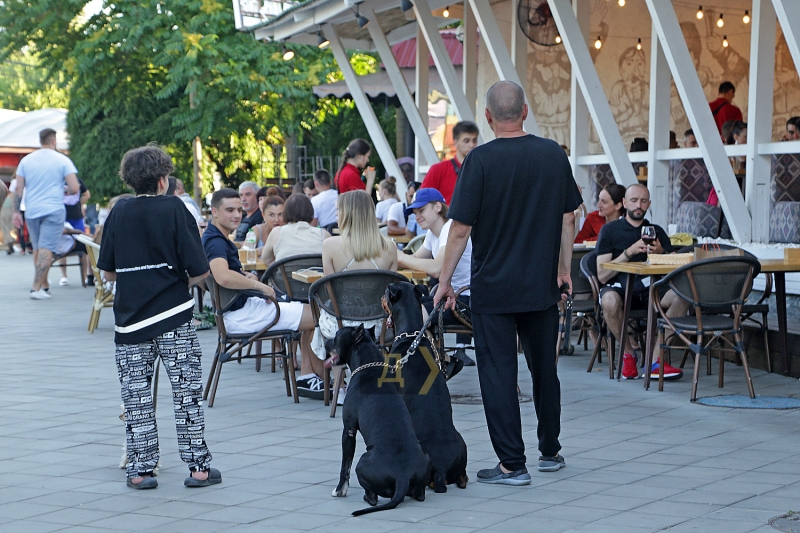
257, 266
310, 276
777, 267
401, 239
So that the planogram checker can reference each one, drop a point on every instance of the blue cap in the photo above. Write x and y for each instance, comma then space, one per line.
424, 197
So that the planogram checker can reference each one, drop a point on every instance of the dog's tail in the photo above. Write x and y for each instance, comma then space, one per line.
400, 491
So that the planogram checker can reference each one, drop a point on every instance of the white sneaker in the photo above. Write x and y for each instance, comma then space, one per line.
63, 282
40, 295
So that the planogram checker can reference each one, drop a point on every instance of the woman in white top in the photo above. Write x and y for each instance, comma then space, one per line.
360, 247
431, 212
388, 194
296, 236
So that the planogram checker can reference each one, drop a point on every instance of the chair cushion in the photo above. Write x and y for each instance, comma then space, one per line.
784, 222
710, 323
698, 218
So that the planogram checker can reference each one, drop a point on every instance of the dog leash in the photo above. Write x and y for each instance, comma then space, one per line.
414, 344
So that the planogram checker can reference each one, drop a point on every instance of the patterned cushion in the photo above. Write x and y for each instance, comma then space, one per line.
689, 182
698, 218
785, 183
600, 177
784, 222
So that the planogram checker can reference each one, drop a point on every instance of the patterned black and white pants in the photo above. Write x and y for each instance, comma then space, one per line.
180, 352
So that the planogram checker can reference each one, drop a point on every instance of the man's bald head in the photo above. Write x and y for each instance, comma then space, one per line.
637, 189
505, 101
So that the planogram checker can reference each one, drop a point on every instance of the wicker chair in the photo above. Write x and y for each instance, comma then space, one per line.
352, 295
103, 293
231, 346
414, 244
708, 285
583, 308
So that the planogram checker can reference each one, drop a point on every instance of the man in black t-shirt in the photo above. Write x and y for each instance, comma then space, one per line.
515, 196
252, 214
619, 242
152, 250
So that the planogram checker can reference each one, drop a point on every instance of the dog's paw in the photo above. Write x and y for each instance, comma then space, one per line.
340, 492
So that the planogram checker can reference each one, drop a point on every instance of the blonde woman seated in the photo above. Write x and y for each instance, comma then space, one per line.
431, 212
296, 236
360, 247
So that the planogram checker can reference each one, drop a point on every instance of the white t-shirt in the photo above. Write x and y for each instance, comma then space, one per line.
44, 171
382, 208
325, 207
192, 207
65, 242
463, 271
395, 212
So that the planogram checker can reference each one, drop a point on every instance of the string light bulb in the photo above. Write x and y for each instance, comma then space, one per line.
639, 44
446, 12
746, 17
699, 12
558, 39
288, 55
598, 43
720, 22
322, 42
621, 3
725, 41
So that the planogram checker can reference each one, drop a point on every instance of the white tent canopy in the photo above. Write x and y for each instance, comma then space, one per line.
23, 131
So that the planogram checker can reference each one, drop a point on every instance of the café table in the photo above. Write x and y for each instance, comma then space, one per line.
777, 267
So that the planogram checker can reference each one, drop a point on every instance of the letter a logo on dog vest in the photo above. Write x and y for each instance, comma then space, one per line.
434, 370
397, 377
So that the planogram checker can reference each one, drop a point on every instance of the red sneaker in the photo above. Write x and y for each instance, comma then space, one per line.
629, 369
670, 372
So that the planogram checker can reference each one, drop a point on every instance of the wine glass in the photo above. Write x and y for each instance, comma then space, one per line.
648, 236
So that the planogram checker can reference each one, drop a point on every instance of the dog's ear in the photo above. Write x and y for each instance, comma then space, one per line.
394, 291
358, 333
371, 332
421, 291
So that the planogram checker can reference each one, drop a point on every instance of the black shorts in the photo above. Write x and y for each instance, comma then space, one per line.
639, 297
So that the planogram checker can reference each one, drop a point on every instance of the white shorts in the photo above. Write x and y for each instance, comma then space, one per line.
258, 312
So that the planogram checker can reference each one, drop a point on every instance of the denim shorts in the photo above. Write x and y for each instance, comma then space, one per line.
45, 231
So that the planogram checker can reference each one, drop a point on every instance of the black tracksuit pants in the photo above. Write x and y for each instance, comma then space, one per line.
496, 354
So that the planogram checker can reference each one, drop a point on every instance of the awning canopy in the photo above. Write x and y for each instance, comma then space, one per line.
378, 84
22, 133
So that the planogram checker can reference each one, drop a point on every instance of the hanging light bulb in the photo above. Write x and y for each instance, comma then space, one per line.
621, 3
699, 12
725, 41
746, 17
720, 22
598, 43
322, 42
558, 39
446, 12
639, 45
288, 55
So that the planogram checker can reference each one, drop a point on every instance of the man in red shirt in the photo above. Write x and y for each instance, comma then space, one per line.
443, 175
722, 108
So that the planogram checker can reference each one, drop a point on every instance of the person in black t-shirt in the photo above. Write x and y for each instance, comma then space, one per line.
516, 197
151, 248
248, 192
251, 313
621, 241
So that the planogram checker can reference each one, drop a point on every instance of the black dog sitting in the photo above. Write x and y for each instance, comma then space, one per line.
425, 391
394, 465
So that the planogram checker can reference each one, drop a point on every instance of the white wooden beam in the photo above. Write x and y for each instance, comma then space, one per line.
665, 21
657, 170
579, 113
492, 38
593, 92
444, 65
400, 87
788, 13
759, 116
422, 73
470, 54
379, 141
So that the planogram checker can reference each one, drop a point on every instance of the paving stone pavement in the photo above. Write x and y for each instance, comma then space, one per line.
637, 461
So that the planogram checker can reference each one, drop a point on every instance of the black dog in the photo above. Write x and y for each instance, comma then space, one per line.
394, 465
425, 391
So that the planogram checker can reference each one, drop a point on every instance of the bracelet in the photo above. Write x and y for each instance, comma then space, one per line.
625, 253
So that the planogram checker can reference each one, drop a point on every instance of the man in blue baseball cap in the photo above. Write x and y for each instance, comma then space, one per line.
430, 210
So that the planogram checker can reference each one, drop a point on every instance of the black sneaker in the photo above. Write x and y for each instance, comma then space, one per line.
551, 464
496, 475
313, 388
462, 356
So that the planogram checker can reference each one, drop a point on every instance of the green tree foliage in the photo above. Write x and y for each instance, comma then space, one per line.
25, 85
167, 71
